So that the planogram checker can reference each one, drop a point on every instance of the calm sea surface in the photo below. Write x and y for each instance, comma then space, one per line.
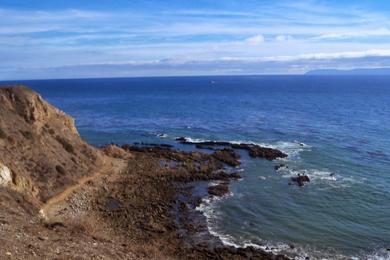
335, 129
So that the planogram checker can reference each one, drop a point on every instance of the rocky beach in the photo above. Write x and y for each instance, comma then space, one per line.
62, 198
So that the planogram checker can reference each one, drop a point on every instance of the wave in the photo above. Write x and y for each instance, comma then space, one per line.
332, 179
381, 254
160, 135
210, 211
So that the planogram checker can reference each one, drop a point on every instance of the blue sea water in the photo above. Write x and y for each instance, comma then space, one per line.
336, 129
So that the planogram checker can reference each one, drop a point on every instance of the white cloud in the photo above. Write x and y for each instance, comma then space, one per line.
345, 35
283, 38
255, 40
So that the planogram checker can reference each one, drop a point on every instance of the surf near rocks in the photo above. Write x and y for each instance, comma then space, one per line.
254, 150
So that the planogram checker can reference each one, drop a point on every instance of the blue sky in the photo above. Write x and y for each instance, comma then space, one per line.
75, 39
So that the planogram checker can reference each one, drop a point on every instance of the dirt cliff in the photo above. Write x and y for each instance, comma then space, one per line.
40, 145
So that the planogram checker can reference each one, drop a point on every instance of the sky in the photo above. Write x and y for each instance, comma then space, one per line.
44, 39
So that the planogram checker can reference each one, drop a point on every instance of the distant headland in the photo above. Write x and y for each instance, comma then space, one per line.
366, 71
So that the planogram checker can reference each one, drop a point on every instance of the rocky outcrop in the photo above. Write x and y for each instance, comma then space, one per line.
116, 152
254, 150
40, 144
219, 190
301, 179
228, 156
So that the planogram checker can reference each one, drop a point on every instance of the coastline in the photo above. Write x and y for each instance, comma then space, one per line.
45, 162
129, 202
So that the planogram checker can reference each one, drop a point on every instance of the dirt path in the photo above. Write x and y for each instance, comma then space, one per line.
110, 165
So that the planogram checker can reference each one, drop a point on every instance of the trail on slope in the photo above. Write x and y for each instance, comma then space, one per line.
112, 166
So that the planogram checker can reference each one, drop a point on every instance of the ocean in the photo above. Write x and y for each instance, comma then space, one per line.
335, 129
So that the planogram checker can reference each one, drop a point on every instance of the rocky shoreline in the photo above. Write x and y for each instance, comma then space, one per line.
179, 171
64, 199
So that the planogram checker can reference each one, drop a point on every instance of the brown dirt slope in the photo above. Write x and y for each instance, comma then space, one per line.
40, 145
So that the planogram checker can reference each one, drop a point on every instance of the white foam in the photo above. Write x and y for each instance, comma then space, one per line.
160, 135
210, 211
332, 179
382, 254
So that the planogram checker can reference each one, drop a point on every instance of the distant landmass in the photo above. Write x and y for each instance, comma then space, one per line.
378, 71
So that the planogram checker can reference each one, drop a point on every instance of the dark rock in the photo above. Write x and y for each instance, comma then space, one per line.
202, 146
235, 176
181, 139
254, 150
228, 156
224, 176
219, 189
301, 179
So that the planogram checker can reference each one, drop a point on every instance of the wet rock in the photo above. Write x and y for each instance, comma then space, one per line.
228, 156
254, 150
261, 152
202, 146
224, 176
153, 145
301, 179
181, 139
219, 189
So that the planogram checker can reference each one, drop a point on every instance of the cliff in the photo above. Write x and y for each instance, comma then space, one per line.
40, 148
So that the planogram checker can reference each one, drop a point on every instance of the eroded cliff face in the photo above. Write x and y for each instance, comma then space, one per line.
40, 145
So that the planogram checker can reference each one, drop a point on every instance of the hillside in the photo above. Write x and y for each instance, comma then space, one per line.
40, 145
